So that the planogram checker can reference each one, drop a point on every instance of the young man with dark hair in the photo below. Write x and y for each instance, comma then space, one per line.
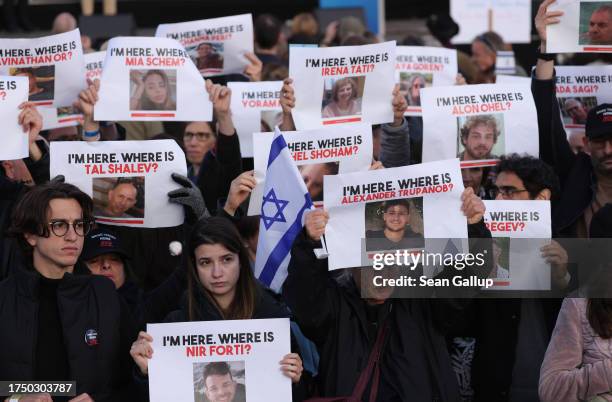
512, 334
479, 135
524, 178
59, 323
397, 233
220, 386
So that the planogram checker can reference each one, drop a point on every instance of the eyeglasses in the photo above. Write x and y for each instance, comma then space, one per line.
60, 227
198, 136
505, 191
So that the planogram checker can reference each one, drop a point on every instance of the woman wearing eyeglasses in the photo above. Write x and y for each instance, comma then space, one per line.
60, 324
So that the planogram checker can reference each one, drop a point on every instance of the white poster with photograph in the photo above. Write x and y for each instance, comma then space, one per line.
53, 64
581, 88
66, 116
583, 28
478, 123
150, 79
519, 230
255, 108
217, 46
127, 180
57, 117
317, 153
424, 201
226, 360
13, 92
342, 84
418, 67
509, 18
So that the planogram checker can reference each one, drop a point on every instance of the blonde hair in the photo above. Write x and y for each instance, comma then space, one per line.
342, 82
304, 23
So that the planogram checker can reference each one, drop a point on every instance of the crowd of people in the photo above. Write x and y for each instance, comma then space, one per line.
76, 294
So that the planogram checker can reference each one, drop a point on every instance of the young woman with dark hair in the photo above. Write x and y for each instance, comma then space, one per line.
221, 286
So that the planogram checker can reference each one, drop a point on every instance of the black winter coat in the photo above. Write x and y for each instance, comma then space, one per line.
415, 365
85, 302
575, 171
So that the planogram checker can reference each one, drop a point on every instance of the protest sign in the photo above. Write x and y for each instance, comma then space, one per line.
518, 263
150, 79
57, 117
94, 63
342, 84
66, 116
419, 67
478, 123
581, 88
128, 180
186, 352
255, 108
319, 152
583, 27
425, 199
13, 92
509, 18
217, 45
53, 64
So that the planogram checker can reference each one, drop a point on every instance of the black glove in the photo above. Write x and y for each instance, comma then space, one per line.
190, 197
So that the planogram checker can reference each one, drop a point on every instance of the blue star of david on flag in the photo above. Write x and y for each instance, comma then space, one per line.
284, 204
276, 207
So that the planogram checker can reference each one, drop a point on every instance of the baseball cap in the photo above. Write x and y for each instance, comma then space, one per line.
599, 122
102, 241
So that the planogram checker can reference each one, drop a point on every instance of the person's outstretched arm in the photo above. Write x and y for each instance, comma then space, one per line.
554, 147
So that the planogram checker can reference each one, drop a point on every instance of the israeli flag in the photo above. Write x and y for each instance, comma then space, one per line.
285, 201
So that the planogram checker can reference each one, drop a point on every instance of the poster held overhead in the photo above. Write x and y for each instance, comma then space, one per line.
13, 92
419, 67
478, 123
319, 152
345, 84
150, 79
127, 180
66, 116
580, 88
217, 46
94, 63
255, 108
583, 27
53, 65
